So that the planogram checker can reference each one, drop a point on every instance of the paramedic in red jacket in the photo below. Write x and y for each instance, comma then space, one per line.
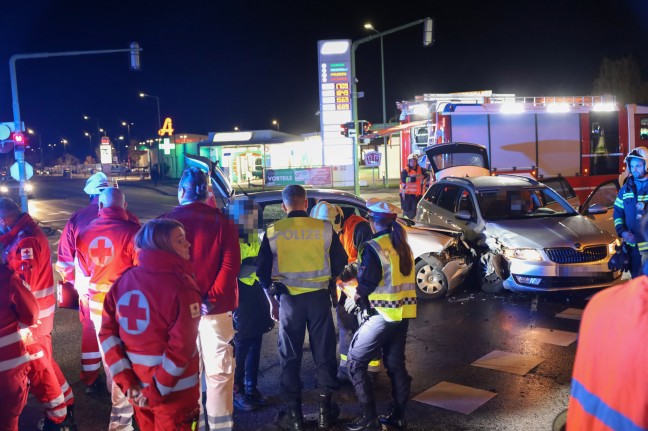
150, 320
105, 249
216, 258
67, 265
27, 252
18, 309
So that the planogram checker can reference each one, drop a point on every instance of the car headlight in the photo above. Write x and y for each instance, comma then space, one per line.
612, 247
29, 187
4, 189
523, 254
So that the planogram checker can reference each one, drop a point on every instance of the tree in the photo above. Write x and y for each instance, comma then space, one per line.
622, 78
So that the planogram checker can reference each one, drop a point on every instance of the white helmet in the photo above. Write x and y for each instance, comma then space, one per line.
326, 211
413, 156
640, 153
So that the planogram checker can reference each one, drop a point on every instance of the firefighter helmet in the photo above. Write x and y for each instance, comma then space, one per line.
640, 153
326, 211
412, 156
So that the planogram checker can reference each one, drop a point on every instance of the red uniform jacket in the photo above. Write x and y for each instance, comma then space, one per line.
215, 253
27, 253
18, 307
105, 249
610, 377
150, 324
67, 244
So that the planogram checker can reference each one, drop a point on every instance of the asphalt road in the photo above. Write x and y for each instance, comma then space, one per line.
446, 337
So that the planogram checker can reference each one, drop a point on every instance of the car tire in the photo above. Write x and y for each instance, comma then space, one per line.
488, 278
431, 282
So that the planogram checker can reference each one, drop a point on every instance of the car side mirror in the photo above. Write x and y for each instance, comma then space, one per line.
463, 215
596, 209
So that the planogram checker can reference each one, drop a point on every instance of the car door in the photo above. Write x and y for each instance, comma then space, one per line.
561, 186
604, 194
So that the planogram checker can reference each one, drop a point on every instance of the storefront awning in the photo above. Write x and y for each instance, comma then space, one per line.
249, 137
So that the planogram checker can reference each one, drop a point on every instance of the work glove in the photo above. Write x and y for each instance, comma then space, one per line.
277, 289
350, 306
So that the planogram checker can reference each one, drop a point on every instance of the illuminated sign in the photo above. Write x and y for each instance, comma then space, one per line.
167, 128
232, 136
167, 146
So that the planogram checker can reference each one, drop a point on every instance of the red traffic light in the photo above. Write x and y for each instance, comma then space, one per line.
18, 138
344, 130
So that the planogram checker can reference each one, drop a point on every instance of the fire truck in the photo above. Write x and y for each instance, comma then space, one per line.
582, 138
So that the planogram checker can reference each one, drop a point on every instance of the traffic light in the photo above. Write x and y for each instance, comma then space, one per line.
365, 126
344, 130
18, 139
135, 56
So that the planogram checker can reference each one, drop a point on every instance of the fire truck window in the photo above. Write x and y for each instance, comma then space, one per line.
604, 143
643, 129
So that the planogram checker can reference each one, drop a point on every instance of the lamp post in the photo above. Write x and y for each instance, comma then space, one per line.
427, 40
127, 124
40, 145
157, 100
64, 142
89, 135
276, 124
369, 26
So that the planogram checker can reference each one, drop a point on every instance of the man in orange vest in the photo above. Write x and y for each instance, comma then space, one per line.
610, 377
413, 181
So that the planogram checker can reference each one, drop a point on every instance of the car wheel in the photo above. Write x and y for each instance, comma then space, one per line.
488, 279
431, 282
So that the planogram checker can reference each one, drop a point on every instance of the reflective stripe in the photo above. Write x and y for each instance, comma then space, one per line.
220, 422
119, 366
57, 413
146, 360
185, 383
65, 386
13, 363
47, 312
91, 355
55, 402
91, 367
109, 343
39, 294
596, 407
10, 339
374, 363
62, 264
172, 368
38, 355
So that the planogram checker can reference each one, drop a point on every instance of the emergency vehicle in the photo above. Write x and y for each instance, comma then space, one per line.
581, 138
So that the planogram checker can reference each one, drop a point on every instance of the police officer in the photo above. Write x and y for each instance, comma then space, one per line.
387, 297
301, 254
413, 180
630, 206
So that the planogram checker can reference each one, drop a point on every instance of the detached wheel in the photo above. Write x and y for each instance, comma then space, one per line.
431, 282
489, 281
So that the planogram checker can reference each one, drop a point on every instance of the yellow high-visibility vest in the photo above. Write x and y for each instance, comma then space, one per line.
300, 249
395, 296
248, 275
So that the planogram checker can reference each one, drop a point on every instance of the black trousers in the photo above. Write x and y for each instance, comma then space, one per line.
297, 313
408, 205
247, 353
374, 336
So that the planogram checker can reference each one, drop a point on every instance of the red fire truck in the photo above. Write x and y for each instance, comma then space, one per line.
582, 138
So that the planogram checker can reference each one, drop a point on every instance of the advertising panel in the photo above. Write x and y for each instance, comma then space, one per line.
302, 176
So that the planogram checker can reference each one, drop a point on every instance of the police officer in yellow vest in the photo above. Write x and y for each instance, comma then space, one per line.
386, 294
303, 254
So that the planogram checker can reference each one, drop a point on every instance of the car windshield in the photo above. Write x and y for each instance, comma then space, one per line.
516, 203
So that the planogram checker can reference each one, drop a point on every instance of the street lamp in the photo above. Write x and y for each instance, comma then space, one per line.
64, 142
157, 100
427, 41
276, 124
126, 124
89, 135
369, 26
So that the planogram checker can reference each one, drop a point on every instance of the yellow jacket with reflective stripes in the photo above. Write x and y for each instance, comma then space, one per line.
247, 275
300, 249
395, 296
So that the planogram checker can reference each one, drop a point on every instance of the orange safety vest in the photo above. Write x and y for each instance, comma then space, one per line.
413, 187
346, 236
610, 376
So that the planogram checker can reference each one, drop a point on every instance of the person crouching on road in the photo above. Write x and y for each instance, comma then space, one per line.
302, 254
18, 308
386, 295
150, 322
252, 317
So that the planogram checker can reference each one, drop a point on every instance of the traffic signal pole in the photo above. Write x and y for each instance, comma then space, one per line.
19, 150
427, 40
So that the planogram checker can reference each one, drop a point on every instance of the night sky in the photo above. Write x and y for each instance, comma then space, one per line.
216, 64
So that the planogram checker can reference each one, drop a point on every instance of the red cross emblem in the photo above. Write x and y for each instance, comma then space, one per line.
101, 251
133, 312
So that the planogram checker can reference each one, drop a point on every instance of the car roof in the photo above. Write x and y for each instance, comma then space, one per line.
489, 181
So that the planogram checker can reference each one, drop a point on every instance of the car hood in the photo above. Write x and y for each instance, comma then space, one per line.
423, 241
548, 232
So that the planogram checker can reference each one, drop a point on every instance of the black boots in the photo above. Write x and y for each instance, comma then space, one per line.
292, 420
328, 411
368, 421
395, 419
